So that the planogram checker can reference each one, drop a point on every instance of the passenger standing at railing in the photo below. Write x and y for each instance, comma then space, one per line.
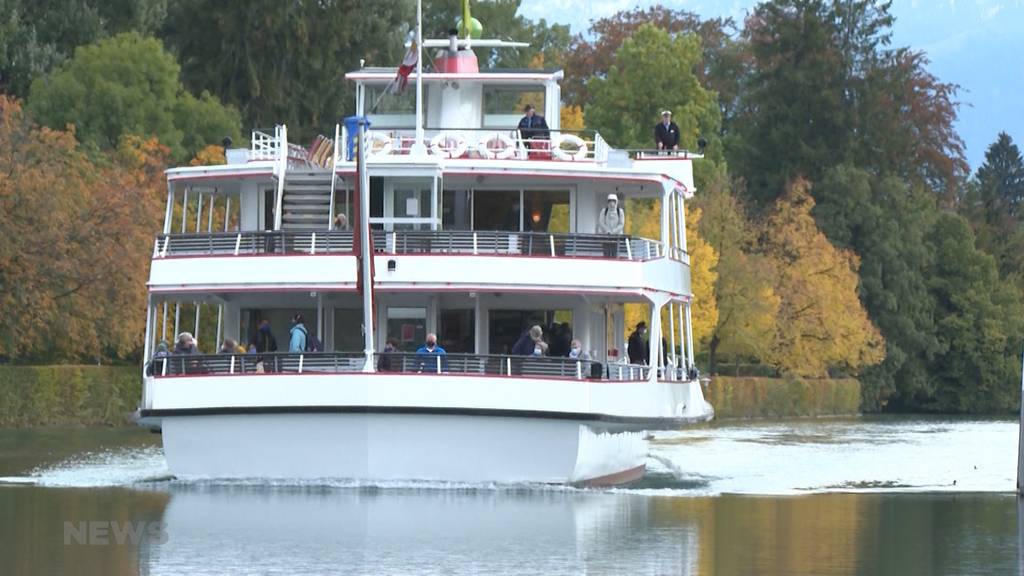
265, 341
666, 133
430, 356
639, 353
611, 221
533, 130
387, 359
186, 344
159, 358
298, 333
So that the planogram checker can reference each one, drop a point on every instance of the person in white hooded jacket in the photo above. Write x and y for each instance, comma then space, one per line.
611, 221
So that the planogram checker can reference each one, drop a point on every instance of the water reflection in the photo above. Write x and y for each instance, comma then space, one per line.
218, 529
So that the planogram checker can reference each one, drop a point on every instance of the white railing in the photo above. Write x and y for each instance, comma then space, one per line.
280, 170
254, 242
264, 146
489, 144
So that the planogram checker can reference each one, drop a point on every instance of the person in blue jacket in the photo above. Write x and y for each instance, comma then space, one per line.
297, 343
425, 355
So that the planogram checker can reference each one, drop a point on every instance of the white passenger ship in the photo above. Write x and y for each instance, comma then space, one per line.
475, 235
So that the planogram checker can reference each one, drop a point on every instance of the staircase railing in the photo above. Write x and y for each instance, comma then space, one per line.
281, 133
334, 176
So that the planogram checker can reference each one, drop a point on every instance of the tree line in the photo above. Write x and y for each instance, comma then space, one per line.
839, 228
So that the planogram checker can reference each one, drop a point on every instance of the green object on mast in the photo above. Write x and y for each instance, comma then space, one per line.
474, 29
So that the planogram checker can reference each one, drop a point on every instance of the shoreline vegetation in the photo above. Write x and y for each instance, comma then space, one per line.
82, 395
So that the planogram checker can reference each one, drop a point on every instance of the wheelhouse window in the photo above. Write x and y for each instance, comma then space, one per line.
408, 327
387, 110
503, 105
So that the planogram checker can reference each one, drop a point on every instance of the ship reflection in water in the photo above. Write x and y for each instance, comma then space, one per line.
673, 523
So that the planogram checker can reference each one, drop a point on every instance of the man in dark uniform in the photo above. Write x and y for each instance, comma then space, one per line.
666, 133
533, 125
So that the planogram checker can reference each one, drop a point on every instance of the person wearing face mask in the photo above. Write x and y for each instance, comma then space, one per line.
611, 221
426, 353
638, 351
576, 351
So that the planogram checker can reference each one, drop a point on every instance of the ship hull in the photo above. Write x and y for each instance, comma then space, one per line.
400, 446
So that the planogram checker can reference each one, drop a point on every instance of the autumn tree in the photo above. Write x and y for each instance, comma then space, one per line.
653, 71
744, 289
992, 203
78, 238
821, 322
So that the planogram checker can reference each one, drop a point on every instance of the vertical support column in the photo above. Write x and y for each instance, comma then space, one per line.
689, 334
227, 211
195, 334
184, 209
199, 211
147, 349
654, 344
177, 321
434, 225
209, 217
163, 325
479, 325
666, 202
320, 317
682, 222
169, 212
220, 323
672, 333
683, 343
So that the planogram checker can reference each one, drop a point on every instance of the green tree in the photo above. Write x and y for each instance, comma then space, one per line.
501, 19
129, 84
980, 320
821, 323
992, 203
284, 62
37, 35
886, 223
652, 72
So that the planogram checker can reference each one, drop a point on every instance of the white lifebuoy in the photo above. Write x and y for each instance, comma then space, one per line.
449, 145
579, 143
505, 149
378, 144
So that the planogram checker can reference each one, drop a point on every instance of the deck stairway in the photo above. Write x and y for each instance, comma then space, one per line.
306, 205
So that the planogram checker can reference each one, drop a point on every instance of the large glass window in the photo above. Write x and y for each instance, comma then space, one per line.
387, 110
503, 105
455, 209
408, 327
506, 326
496, 210
280, 324
546, 211
457, 331
411, 203
348, 329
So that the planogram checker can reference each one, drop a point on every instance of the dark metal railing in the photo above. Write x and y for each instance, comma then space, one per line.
253, 242
256, 363
520, 243
393, 362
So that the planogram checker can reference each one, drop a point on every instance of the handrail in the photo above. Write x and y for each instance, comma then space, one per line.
490, 144
489, 242
255, 242
455, 242
280, 170
334, 177
502, 365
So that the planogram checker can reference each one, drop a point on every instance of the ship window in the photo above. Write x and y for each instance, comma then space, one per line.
348, 329
387, 110
457, 331
503, 105
496, 210
546, 211
408, 326
456, 210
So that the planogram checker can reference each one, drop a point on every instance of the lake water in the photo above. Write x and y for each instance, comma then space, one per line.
901, 496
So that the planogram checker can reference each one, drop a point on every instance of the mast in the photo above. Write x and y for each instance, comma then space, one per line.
419, 147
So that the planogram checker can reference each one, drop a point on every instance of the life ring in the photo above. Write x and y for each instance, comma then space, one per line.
579, 143
378, 144
506, 149
448, 145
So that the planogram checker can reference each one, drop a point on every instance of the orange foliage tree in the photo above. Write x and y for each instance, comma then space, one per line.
78, 234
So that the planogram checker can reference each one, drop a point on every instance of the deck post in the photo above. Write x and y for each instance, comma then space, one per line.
689, 334
1020, 438
654, 343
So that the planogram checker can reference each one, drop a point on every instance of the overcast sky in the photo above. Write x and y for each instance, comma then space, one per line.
978, 44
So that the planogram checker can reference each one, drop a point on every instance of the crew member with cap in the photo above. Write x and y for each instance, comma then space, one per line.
532, 125
611, 221
666, 133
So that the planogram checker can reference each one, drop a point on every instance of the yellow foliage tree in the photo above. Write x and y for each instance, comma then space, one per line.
571, 118
643, 218
821, 322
